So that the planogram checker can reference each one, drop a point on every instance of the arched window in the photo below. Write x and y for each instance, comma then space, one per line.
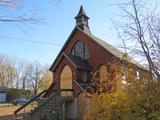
103, 73
66, 78
80, 50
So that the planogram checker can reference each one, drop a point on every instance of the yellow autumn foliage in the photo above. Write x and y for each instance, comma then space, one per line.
130, 100
131, 103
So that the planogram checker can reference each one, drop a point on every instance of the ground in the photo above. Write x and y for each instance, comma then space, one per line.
7, 110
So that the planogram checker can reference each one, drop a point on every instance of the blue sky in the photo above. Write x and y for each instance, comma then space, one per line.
58, 23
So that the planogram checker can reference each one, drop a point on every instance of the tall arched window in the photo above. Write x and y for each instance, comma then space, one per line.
66, 78
103, 73
80, 50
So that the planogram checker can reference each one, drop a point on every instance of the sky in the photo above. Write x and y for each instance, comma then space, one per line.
18, 39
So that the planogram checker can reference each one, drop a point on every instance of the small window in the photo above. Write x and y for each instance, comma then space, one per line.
85, 75
80, 50
137, 75
79, 20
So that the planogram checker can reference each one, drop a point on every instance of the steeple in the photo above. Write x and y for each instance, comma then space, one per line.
82, 20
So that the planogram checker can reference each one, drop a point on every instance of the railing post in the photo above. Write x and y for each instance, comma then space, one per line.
24, 112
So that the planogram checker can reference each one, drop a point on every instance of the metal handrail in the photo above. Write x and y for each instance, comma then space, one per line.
79, 85
31, 100
50, 88
44, 103
53, 98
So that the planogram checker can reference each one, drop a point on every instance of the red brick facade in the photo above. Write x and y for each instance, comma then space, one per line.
98, 54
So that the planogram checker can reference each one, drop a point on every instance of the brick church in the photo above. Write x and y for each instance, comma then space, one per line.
83, 54
83, 60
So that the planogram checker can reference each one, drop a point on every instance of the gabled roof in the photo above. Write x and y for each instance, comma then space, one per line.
75, 61
62, 50
78, 62
114, 51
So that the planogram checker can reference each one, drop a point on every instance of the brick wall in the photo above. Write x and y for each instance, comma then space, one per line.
97, 56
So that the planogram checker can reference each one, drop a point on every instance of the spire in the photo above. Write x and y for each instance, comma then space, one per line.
82, 20
81, 13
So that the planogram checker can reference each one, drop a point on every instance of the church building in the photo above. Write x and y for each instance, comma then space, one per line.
85, 65
83, 57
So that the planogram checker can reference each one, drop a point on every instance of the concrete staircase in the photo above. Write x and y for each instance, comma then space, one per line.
50, 108
45, 108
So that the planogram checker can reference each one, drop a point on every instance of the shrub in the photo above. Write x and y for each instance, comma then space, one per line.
17, 93
133, 102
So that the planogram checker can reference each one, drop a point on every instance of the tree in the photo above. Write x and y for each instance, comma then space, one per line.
35, 75
140, 31
13, 4
24, 75
7, 71
23, 69
127, 102
46, 79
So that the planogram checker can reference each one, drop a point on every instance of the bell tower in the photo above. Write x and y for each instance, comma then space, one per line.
82, 20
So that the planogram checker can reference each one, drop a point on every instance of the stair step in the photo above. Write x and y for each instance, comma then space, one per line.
51, 105
18, 118
47, 110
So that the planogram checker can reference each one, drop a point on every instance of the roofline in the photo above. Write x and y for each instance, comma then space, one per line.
90, 36
81, 15
60, 57
70, 60
55, 62
140, 66
65, 44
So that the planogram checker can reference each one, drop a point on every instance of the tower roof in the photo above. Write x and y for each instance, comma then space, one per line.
81, 13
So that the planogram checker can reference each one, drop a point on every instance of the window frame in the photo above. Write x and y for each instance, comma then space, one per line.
84, 53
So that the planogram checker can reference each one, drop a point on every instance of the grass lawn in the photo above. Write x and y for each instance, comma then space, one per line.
7, 111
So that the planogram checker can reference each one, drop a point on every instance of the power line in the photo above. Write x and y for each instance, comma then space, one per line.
32, 41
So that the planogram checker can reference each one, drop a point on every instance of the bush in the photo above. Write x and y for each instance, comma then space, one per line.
130, 103
17, 93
